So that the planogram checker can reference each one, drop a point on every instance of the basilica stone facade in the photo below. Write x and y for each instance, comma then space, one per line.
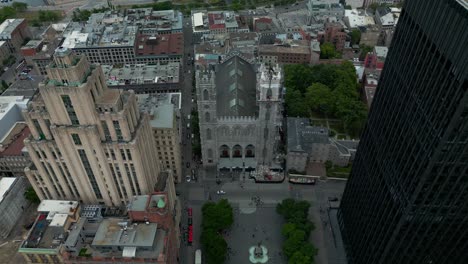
240, 113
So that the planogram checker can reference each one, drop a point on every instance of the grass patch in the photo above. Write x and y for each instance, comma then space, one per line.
339, 172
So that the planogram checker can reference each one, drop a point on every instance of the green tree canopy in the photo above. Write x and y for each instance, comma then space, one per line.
355, 36
294, 242
214, 246
320, 98
296, 105
20, 7
31, 195
7, 12
299, 258
217, 216
327, 51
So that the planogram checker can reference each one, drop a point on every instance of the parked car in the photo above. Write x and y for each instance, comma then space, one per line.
188, 164
333, 199
188, 178
220, 192
189, 211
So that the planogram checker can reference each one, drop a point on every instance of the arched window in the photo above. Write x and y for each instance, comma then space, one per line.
224, 151
206, 95
208, 134
237, 151
207, 117
250, 151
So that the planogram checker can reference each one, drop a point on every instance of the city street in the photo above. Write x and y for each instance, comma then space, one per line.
255, 217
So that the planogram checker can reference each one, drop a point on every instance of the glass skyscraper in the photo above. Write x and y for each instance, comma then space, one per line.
406, 200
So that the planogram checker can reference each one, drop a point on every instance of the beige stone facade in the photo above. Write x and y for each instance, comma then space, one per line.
88, 143
168, 147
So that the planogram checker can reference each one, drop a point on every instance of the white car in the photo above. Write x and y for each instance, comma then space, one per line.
220, 192
188, 178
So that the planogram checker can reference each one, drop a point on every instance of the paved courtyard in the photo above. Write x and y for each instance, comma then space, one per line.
253, 225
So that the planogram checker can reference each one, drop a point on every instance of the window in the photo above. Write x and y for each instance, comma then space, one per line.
106, 131
70, 110
129, 154
76, 139
89, 172
38, 128
118, 131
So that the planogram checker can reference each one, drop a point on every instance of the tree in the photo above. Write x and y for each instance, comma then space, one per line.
364, 50
214, 246
296, 106
294, 242
327, 51
328, 164
7, 12
355, 36
299, 258
217, 216
288, 229
31, 195
20, 7
319, 98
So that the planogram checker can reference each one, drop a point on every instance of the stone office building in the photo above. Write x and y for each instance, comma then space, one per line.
89, 143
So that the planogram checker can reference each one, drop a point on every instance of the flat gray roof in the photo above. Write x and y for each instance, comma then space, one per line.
110, 234
142, 74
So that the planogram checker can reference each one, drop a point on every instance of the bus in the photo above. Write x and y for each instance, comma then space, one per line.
190, 235
198, 256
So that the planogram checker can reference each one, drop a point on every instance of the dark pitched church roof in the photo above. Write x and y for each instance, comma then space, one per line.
236, 88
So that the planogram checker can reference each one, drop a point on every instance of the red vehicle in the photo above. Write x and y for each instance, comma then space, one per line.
190, 234
189, 211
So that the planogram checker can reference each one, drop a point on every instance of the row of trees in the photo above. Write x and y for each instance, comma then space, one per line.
297, 230
330, 90
11, 11
216, 218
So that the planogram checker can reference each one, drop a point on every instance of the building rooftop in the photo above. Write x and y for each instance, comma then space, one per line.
12, 144
164, 45
160, 107
32, 44
57, 206
291, 47
355, 18
236, 88
43, 237
8, 26
140, 202
301, 135
142, 74
99, 33
10, 113
150, 21
114, 232
24, 88
5, 185
264, 24
381, 52
59, 220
